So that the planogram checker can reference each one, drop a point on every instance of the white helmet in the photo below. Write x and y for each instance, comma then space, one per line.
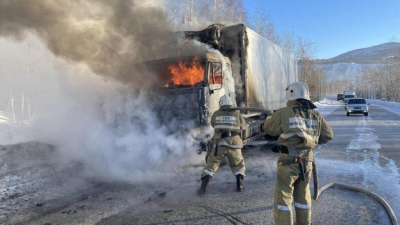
297, 90
225, 101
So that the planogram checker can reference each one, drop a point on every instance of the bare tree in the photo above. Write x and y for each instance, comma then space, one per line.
288, 41
262, 24
305, 50
382, 81
206, 12
309, 72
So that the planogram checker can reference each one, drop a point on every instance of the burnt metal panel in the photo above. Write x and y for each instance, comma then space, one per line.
182, 104
261, 69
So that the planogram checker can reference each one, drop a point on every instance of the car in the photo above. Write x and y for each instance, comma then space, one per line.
357, 106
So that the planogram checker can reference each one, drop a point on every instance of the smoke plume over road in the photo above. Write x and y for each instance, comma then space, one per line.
104, 122
110, 37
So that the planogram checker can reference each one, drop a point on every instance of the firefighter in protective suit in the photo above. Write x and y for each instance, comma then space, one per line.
300, 128
227, 124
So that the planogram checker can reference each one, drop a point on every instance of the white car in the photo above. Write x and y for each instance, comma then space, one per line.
357, 106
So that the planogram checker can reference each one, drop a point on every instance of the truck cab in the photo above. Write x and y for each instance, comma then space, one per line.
348, 94
239, 63
339, 97
192, 87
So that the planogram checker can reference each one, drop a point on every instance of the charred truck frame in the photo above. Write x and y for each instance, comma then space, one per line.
253, 71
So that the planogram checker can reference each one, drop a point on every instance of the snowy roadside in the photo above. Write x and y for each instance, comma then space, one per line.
390, 106
327, 106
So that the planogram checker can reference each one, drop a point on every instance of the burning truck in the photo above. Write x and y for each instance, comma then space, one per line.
253, 71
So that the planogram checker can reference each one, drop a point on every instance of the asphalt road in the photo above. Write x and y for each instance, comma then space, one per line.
364, 153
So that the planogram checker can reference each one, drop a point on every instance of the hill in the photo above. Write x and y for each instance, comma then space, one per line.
347, 65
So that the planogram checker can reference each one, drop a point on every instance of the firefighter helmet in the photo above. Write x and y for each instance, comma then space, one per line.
297, 90
225, 101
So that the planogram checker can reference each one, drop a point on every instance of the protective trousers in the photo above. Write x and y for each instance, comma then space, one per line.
235, 158
289, 186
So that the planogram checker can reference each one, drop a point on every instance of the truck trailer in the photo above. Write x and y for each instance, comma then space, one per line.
252, 70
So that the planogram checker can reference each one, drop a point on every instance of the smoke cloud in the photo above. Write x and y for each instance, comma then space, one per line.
108, 128
106, 123
110, 37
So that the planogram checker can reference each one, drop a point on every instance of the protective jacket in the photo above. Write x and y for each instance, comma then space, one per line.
298, 126
228, 120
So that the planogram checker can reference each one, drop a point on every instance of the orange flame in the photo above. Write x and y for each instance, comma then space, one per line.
187, 73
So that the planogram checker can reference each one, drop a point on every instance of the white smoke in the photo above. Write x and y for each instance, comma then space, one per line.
106, 126
72, 77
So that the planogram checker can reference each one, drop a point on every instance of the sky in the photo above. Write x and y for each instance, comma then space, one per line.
337, 26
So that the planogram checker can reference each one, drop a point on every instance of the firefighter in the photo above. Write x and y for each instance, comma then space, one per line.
300, 128
227, 124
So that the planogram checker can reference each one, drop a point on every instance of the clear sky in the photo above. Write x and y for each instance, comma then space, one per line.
337, 26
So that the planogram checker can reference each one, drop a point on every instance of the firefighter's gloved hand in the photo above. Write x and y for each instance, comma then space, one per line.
276, 148
280, 148
283, 149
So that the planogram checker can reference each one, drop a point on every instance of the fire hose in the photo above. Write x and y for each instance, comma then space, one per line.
317, 193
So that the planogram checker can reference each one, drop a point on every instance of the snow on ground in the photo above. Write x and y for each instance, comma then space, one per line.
390, 106
388, 174
327, 106
367, 168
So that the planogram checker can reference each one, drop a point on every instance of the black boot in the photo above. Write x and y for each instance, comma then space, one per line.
204, 182
239, 182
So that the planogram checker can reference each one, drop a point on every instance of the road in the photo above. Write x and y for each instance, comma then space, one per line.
364, 153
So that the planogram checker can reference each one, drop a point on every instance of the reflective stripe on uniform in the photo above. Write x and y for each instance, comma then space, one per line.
283, 207
223, 143
226, 119
302, 123
241, 172
226, 127
302, 206
208, 172
300, 134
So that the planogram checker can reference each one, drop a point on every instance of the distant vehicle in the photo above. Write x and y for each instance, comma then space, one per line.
348, 94
357, 106
339, 97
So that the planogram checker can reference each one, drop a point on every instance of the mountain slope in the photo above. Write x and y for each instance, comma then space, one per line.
346, 66
374, 54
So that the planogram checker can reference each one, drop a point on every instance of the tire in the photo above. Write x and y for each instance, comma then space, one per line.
366, 114
348, 114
